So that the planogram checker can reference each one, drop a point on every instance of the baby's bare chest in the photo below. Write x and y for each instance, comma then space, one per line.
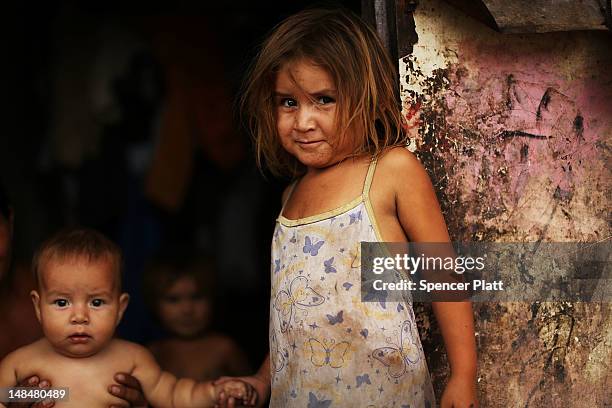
86, 380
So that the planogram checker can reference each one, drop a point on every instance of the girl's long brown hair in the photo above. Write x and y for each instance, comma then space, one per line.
365, 77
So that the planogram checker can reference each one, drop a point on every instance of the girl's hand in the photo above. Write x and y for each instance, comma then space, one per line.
259, 397
460, 392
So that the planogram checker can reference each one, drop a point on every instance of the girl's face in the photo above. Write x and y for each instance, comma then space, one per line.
305, 96
183, 310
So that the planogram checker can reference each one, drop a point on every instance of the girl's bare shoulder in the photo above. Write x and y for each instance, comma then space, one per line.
398, 158
401, 168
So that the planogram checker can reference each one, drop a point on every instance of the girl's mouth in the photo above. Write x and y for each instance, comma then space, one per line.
309, 143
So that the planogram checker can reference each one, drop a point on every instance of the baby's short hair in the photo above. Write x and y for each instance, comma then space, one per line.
78, 244
340, 42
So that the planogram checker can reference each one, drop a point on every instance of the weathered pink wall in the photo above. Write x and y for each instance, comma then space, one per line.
515, 131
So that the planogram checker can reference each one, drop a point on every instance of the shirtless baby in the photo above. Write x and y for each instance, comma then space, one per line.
79, 304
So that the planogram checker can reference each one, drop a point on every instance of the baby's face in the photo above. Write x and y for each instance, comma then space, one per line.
183, 310
79, 305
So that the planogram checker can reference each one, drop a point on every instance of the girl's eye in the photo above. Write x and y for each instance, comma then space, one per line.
323, 100
97, 302
288, 103
60, 302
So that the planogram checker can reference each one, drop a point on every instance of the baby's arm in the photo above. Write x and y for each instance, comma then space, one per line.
419, 214
165, 390
8, 371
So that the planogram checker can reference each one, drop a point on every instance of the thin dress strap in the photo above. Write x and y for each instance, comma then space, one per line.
291, 187
368, 180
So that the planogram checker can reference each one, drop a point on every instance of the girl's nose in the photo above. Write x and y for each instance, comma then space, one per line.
304, 118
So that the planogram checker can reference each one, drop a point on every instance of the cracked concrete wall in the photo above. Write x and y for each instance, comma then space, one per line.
515, 132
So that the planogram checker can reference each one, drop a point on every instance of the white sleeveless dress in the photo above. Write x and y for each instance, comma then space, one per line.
327, 347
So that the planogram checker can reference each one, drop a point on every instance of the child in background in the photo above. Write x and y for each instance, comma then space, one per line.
79, 304
180, 292
322, 104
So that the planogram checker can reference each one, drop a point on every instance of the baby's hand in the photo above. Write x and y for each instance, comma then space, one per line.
237, 389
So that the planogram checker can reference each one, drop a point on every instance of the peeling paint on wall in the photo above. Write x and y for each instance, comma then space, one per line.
515, 132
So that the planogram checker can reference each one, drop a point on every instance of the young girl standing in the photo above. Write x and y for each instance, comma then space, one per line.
322, 104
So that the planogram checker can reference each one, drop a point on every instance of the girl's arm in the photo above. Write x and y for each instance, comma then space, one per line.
421, 219
457, 326
263, 376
